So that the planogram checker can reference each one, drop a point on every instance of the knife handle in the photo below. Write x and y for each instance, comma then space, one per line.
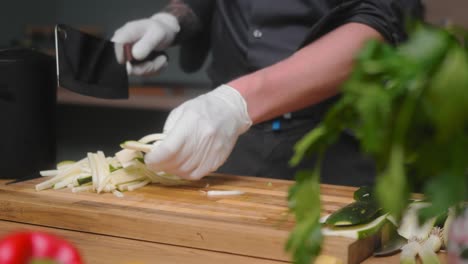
150, 57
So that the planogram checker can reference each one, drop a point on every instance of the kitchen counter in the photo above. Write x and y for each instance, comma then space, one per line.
158, 224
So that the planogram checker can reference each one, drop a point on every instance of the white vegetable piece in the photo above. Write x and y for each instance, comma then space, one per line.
94, 170
124, 186
135, 145
109, 188
151, 138
138, 185
67, 172
139, 168
124, 176
104, 171
126, 156
86, 170
64, 183
64, 164
82, 189
99, 170
49, 173
214, 193
118, 194
114, 162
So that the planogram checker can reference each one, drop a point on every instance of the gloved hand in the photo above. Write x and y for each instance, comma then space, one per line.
201, 134
146, 35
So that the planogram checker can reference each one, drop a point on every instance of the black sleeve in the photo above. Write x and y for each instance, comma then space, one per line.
203, 10
193, 16
195, 45
388, 17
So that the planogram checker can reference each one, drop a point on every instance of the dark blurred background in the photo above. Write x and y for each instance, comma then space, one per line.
86, 124
26, 22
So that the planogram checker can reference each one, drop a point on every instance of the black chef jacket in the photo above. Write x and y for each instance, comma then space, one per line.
246, 35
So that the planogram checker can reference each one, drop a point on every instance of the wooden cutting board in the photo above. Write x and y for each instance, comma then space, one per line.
255, 224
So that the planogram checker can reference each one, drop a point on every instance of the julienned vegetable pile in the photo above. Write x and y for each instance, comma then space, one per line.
408, 107
124, 172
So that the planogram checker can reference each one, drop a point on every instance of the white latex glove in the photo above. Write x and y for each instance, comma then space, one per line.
146, 35
201, 134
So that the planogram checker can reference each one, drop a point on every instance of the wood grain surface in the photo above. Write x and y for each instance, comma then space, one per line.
255, 224
395, 259
101, 249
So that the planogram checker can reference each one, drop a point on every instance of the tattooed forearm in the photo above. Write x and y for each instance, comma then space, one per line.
188, 20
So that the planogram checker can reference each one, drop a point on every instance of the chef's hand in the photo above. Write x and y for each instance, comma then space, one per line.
201, 134
146, 35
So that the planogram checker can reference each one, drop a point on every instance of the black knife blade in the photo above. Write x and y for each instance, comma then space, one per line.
88, 65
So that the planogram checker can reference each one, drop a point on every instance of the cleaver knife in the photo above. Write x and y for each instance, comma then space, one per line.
88, 65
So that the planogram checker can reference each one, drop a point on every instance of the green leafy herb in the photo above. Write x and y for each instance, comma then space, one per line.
304, 200
408, 107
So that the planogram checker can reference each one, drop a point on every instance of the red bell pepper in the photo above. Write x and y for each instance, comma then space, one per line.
37, 247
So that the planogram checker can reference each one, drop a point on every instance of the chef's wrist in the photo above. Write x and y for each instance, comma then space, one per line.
248, 87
